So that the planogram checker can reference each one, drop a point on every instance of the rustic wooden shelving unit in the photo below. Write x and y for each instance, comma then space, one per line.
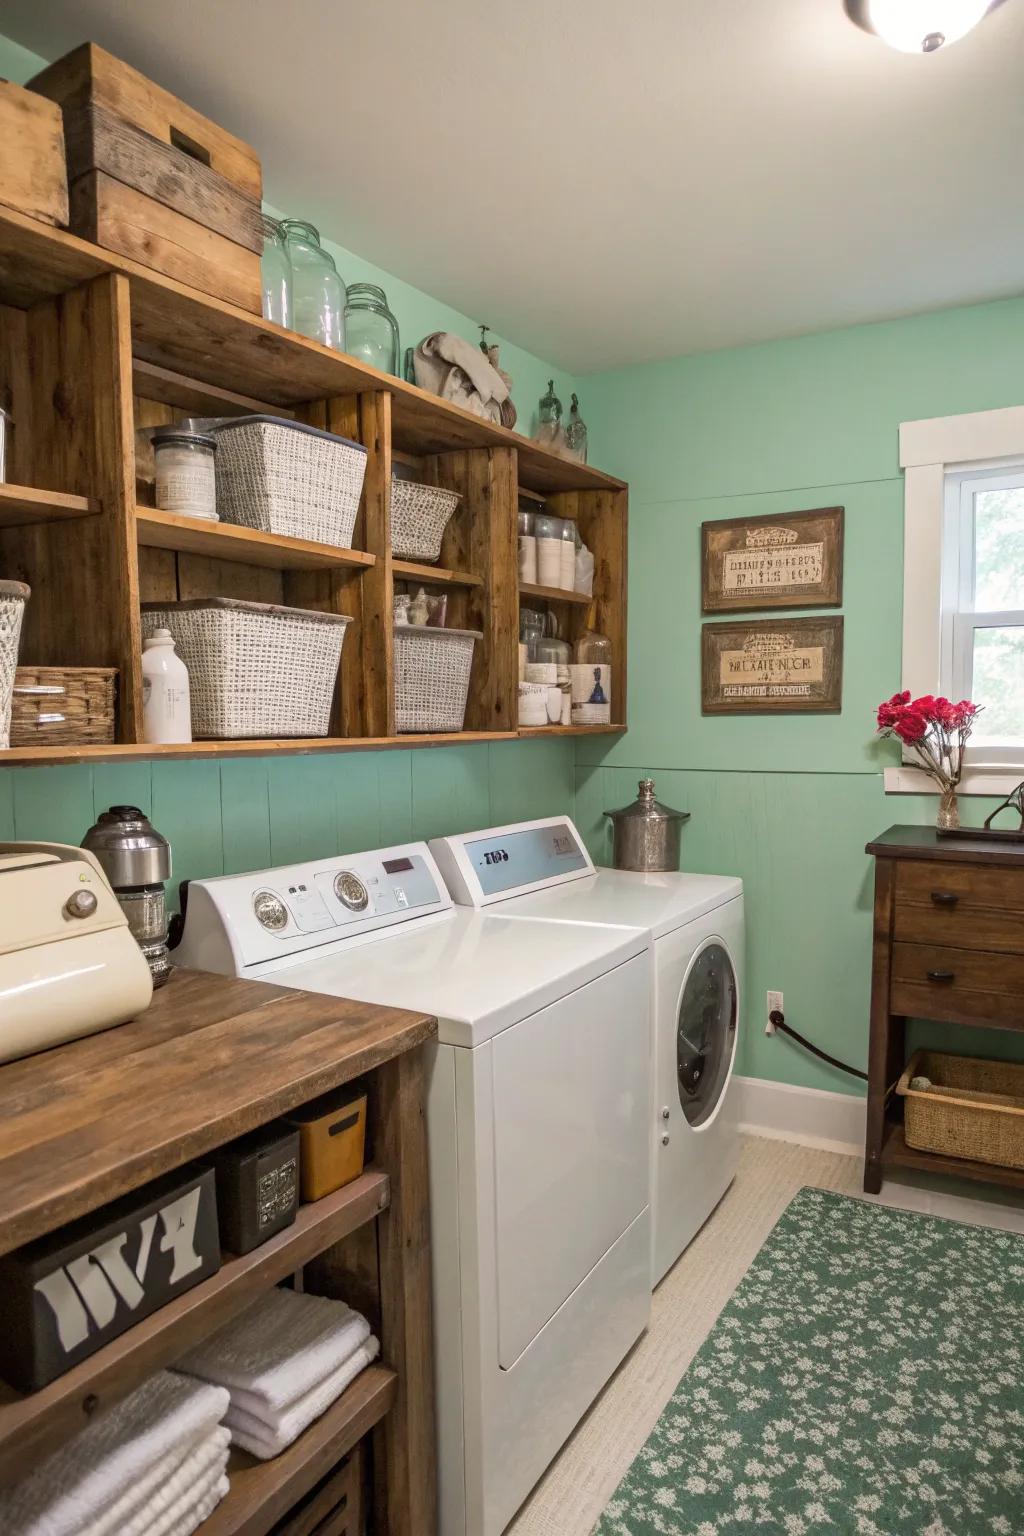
70, 1141
94, 346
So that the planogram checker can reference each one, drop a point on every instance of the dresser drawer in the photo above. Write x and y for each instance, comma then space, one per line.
960, 905
959, 986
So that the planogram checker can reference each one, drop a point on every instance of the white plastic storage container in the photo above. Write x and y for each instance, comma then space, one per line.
286, 478
432, 669
254, 669
419, 516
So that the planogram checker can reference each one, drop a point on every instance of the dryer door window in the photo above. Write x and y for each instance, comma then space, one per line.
705, 1033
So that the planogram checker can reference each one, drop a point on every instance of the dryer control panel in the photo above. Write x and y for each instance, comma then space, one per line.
481, 868
241, 921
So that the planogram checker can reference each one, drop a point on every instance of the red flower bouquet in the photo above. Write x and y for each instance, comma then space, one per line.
937, 731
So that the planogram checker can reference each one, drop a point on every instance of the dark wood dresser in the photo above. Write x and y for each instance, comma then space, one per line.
949, 946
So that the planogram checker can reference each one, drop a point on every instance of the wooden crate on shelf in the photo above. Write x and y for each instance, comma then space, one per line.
33, 178
154, 180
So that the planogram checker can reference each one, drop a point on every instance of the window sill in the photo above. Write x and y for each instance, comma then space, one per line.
1001, 781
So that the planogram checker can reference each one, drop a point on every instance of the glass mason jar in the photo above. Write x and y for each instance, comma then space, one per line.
318, 293
276, 272
371, 330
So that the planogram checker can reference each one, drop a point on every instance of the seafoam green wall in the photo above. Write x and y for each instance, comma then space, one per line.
787, 802
226, 815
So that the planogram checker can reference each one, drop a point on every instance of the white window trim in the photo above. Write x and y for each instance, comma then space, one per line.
929, 450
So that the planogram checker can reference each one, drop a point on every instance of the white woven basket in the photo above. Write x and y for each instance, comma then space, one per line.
419, 516
285, 478
254, 669
13, 597
432, 668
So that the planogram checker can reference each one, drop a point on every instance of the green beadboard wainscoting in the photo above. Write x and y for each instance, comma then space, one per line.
227, 815
787, 802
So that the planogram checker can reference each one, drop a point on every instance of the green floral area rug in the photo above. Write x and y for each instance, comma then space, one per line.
865, 1377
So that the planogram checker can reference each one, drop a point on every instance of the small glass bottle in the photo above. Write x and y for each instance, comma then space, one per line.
576, 433
567, 562
318, 292
186, 480
527, 549
371, 330
276, 273
549, 420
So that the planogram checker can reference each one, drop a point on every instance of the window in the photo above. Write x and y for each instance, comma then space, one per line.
983, 606
963, 584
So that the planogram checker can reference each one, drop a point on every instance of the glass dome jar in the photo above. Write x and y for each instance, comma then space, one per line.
276, 273
371, 330
318, 292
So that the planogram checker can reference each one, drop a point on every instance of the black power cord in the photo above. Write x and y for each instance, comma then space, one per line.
778, 1020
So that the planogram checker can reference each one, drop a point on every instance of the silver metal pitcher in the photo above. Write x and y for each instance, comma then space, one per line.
137, 861
645, 835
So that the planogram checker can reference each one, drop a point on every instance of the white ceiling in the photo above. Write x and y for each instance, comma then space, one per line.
609, 183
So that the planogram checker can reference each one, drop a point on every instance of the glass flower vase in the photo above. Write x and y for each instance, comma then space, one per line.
948, 818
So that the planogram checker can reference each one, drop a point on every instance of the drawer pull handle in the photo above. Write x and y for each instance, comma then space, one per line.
942, 976
945, 898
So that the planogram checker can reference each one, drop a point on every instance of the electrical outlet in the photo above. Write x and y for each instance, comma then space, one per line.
774, 1005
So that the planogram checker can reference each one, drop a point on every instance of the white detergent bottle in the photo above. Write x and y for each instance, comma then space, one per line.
166, 709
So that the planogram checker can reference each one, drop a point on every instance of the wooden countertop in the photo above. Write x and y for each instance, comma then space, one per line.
212, 1058
925, 843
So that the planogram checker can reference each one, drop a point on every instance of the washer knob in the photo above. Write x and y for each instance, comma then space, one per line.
270, 911
351, 891
665, 1138
81, 904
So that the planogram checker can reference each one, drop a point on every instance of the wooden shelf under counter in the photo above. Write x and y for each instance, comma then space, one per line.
212, 1058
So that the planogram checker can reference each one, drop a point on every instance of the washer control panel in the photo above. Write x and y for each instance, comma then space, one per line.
483, 867
259, 917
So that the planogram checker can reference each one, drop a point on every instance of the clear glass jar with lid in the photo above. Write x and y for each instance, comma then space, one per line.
593, 647
550, 663
276, 273
318, 292
592, 679
548, 533
186, 480
532, 625
527, 549
371, 330
567, 556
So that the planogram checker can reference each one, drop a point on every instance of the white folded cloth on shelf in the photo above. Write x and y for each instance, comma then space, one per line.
72, 1492
193, 1518
164, 1507
269, 1436
278, 1349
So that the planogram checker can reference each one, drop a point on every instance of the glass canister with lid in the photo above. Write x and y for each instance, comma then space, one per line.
592, 679
276, 273
186, 480
567, 553
527, 548
548, 534
318, 292
550, 663
371, 330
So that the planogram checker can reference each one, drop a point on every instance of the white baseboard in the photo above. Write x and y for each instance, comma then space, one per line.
811, 1117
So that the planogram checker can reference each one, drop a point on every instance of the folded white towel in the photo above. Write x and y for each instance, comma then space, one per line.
192, 1495
278, 1349
268, 1436
149, 1494
74, 1488
193, 1518
192, 1479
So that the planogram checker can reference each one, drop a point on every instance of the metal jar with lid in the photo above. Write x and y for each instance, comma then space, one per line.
646, 834
137, 861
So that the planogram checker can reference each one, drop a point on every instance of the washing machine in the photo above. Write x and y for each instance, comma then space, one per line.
541, 871
537, 1129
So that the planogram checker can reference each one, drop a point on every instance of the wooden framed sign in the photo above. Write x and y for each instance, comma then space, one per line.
792, 561
772, 667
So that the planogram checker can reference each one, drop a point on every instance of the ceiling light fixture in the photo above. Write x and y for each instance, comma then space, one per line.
919, 26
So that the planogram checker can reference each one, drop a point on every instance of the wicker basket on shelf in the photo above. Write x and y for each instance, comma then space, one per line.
432, 668
419, 516
282, 477
13, 597
63, 706
254, 669
970, 1107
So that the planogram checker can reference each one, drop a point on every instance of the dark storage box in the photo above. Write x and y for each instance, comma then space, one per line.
257, 1186
64, 1296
